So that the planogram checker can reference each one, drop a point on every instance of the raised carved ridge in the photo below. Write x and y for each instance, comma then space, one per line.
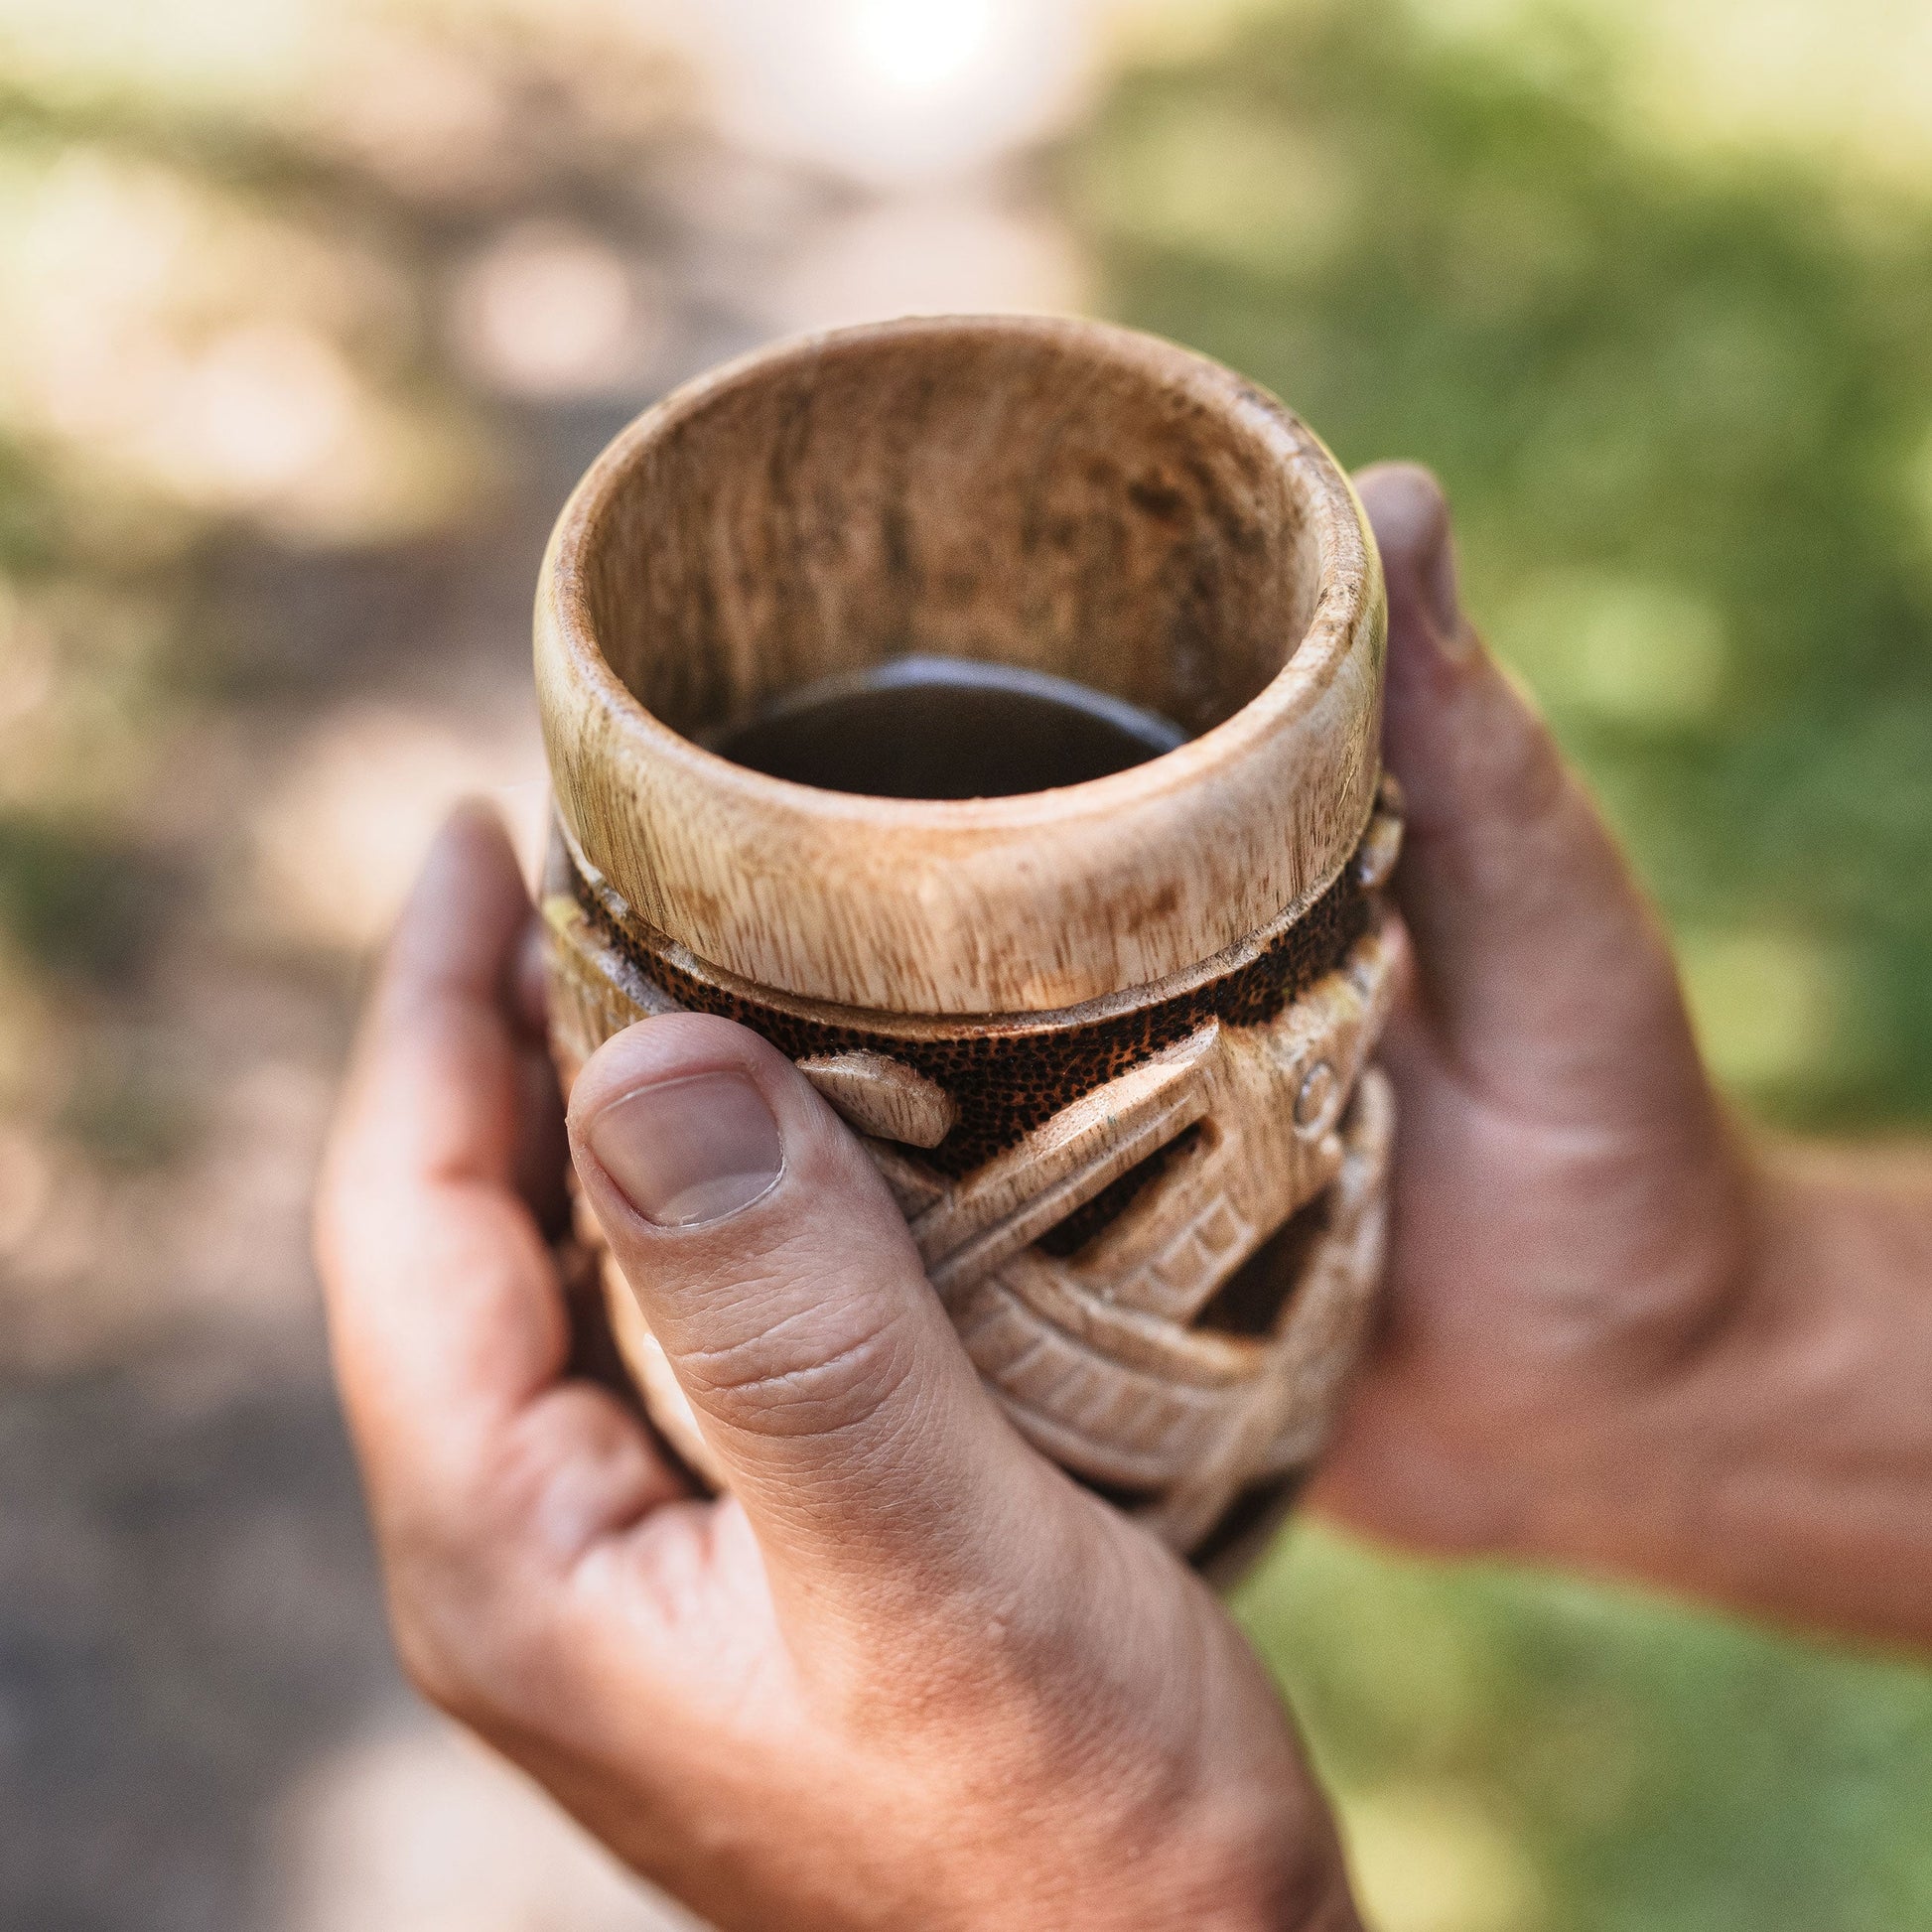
1101, 1355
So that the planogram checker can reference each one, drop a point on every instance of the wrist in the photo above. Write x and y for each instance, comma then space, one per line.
1674, 1467
1619, 1475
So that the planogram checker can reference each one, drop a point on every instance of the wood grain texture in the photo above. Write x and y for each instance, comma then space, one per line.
1109, 1043
1054, 493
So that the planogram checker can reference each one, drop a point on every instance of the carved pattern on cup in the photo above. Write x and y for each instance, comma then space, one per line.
1102, 1357
1107, 1039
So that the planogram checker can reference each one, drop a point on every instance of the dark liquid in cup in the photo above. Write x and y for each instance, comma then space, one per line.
944, 728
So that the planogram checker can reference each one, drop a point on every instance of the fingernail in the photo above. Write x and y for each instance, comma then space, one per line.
690, 1150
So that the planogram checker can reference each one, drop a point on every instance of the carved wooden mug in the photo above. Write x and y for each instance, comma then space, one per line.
1107, 1041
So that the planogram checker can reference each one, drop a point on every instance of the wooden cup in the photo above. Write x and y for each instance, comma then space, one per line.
1108, 1043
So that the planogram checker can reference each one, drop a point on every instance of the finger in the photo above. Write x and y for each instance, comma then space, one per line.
1539, 959
445, 1313
771, 1263
542, 1147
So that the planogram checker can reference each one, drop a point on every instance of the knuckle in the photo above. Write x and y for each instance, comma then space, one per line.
434, 1664
819, 1369
469, 1652
1528, 779
464, 1612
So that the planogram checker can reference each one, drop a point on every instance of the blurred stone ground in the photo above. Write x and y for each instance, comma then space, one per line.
200, 1725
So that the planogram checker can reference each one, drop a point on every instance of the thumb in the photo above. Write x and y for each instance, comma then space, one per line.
1540, 961
773, 1266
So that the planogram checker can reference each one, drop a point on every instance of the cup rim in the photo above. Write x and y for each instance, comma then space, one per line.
930, 881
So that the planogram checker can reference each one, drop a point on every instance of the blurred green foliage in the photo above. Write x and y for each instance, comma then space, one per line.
1682, 404
1684, 409
1527, 1754
73, 899
174, 272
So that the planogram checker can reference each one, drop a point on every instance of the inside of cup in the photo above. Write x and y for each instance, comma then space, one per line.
943, 728
997, 496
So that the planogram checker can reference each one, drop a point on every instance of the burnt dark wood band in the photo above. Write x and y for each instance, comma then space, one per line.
1007, 1080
